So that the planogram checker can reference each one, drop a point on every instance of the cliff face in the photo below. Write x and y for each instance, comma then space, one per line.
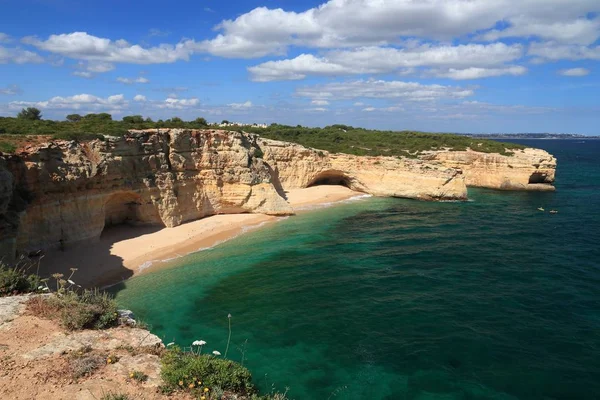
165, 177
64, 191
528, 169
296, 166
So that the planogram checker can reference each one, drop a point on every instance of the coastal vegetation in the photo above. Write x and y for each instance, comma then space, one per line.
60, 299
333, 138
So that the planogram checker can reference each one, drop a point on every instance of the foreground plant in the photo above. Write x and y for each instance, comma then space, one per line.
199, 373
18, 279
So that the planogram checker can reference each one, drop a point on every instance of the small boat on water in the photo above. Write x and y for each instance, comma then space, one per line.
541, 209
553, 212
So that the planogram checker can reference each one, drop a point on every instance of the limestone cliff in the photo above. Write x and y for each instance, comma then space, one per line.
527, 169
163, 177
62, 192
296, 166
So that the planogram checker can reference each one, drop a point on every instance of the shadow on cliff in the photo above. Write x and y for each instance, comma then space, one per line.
95, 264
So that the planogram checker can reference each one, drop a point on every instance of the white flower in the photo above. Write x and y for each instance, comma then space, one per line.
170, 344
40, 287
71, 282
216, 353
228, 315
46, 289
198, 343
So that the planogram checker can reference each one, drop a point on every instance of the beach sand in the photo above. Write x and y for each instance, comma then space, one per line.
125, 251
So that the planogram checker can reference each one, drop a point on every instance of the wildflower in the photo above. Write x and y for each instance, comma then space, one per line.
216, 353
203, 398
170, 344
45, 289
71, 282
73, 269
198, 343
205, 390
40, 287
228, 315
108, 360
191, 385
131, 375
180, 383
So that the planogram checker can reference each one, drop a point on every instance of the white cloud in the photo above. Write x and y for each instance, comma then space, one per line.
373, 60
552, 51
129, 81
17, 55
139, 97
319, 102
158, 33
84, 74
349, 23
179, 104
80, 45
369, 109
100, 67
574, 72
10, 90
379, 89
239, 106
87, 102
477, 73
4, 38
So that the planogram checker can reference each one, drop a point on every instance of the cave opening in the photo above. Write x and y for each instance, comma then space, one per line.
538, 177
331, 178
122, 208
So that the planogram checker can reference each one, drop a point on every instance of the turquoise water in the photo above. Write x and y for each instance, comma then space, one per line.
400, 299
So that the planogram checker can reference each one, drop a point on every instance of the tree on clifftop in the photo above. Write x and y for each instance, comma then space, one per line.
201, 121
30, 113
74, 117
133, 119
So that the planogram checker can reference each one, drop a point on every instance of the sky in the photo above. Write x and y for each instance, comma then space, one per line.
432, 65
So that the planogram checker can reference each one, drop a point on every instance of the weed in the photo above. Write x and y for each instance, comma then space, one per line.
85, 364
138, 376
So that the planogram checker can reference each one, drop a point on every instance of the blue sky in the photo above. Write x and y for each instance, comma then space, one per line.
434, 65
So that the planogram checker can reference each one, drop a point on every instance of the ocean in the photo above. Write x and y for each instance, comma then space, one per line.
383, 298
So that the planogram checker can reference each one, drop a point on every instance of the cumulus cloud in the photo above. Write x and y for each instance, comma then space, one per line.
81, 45
574, 72
477, 73
139, 97
129, 81
179, 104
241, 106
351, 23
379, 89
4, 38
88, 102
552, 51
17, 55
373, 60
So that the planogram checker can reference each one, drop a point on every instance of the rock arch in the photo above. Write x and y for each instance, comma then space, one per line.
332, 177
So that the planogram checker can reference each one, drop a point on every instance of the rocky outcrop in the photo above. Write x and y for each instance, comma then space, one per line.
62, 192
163, 177
527, 169
296, 166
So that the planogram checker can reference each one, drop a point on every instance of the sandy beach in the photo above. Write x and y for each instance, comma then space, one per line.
125, 251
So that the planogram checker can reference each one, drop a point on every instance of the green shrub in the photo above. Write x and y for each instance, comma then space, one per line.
7, 147
184, 370
17, 280
91, 309
138, 376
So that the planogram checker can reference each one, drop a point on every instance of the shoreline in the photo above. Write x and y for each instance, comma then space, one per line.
127, 251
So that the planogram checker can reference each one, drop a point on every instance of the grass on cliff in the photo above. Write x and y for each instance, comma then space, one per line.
365, 142
334, 138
